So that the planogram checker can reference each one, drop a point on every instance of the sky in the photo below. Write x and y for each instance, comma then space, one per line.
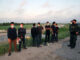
30, 11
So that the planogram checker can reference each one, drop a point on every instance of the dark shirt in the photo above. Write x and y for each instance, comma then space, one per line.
21, 32
11, 33
47, 27
33, 31
73, 28
57, 28
53, 29
39, 29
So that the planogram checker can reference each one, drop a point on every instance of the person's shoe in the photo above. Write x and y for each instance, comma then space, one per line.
9, 54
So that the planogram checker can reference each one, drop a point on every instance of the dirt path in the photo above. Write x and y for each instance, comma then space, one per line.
56, 51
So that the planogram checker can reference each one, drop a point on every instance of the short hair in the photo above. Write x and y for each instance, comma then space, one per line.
34, 24
47, 22
53, 22
38, 22
22, 24
12, 23
74, 20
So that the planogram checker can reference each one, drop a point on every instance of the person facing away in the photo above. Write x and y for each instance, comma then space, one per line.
57, 30
34, 34
73, 33
53, 29
12, 37
47, 34
21, 36
39, 34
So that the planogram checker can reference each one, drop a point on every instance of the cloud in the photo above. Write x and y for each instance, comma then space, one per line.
20, 10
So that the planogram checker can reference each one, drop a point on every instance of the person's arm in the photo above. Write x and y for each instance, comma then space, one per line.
8, 33
77, 29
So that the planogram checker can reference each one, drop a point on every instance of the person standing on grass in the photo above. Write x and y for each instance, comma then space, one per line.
39, 34
47, 34
21, 36
34, 34
12, 37
53, 29
73, 33
57, 30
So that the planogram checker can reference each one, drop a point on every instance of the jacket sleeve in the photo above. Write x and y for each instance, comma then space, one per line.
8, 33
18, 32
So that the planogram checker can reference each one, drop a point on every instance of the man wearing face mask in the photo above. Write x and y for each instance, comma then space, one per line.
47, 36
12, 36
73, 33
21, 36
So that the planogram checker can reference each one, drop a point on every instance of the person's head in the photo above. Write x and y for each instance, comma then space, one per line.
38, 23
21, 25
74, 21
12, 24
34, 25
54, 23
47, 23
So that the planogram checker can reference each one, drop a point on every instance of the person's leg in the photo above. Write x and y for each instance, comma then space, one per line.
45, 39
15, 46
48, 37
24, 45
10, 45
20, 42
56, 38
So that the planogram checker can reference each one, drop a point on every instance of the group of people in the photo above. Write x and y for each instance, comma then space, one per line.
36, 33
13, 37
51, 35
50, 31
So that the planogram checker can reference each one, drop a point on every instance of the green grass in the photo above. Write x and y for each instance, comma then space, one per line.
63, 33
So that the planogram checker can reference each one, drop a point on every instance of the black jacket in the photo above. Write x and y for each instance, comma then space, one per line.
21, 32
33, 31
12, 33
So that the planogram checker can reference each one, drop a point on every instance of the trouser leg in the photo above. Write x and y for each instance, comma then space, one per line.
15, 46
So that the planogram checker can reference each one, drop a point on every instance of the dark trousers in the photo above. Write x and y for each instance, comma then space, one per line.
47, 37
20, 43
38, 38
53, 37
73, 39
34, 41
56, 37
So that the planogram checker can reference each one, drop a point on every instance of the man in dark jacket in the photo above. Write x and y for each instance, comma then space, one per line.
12, 37
39, 34
21, 36
53, 28
47, 35
73, 33
34, 34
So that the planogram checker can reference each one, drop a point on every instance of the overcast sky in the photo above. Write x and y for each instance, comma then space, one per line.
39, 10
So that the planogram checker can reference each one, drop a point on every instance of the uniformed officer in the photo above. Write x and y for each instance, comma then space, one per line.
21, 36
47, 34
53, 28
73, 33
34, 34
39, 34
12, 37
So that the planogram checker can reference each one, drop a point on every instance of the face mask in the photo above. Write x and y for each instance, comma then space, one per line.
12, 26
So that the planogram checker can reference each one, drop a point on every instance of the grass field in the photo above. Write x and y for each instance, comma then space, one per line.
63, 33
